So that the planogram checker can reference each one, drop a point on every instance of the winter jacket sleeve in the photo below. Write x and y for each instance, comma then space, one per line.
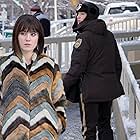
79, 60
58, 98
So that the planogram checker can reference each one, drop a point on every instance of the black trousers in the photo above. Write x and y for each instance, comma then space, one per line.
96, 116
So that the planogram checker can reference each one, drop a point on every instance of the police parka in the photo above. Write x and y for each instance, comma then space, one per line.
95, 59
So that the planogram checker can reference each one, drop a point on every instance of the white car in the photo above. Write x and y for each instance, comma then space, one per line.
119, 11
121, 7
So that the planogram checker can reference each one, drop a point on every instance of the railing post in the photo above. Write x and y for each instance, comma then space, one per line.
131, 103
59, 54
120, 130
137, 123
67, 51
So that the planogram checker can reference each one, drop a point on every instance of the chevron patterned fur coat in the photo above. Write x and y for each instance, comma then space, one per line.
32, 99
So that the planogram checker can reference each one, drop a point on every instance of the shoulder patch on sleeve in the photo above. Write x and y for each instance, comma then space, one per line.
78, 43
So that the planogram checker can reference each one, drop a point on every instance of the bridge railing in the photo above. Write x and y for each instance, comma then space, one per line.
60, 47
117, 22
128, 23
129, 105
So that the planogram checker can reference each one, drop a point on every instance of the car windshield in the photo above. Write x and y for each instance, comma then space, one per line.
117, 10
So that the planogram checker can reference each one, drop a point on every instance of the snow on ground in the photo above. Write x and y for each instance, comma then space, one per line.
129, 125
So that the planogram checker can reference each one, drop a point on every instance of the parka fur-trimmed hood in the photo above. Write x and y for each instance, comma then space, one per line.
90, 8
97, 26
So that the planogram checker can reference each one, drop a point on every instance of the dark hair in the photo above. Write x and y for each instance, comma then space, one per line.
27, 23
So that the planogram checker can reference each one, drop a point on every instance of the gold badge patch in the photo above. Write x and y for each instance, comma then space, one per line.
78, 43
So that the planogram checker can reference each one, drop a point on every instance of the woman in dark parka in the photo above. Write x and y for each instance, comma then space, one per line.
95, 59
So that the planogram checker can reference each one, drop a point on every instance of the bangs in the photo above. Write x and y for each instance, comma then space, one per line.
28, 27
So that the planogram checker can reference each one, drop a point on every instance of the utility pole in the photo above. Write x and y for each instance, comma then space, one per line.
55, 10
12, 12
4, 17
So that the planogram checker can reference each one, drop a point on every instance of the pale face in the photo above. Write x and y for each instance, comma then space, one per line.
81, 16
28, 41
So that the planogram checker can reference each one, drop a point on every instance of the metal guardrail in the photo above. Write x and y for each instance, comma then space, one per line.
116, 22
131, 22
57, 43
132, 90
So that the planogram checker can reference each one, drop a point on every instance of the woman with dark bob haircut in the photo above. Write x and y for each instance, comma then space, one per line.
32, 96
27, 23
